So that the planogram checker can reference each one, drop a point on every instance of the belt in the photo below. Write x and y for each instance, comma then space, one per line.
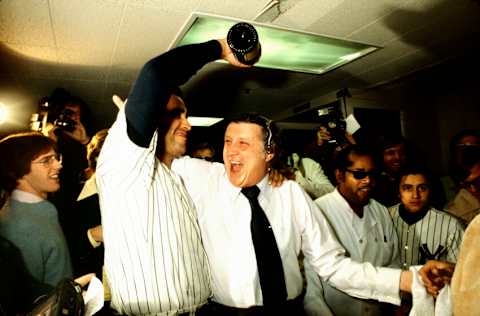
290, 307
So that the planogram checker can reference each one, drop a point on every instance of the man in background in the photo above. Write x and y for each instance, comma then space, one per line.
363, 227
29, 171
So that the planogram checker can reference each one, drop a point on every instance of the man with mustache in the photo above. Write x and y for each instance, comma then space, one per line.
362, 225
154, 258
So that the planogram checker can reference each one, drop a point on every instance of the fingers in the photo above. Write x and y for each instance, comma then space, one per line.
435, 274
323, 135
228, 55
118, 101
84, 279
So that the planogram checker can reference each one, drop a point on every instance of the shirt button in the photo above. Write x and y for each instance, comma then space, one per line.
361, 240
404, 264
406, 247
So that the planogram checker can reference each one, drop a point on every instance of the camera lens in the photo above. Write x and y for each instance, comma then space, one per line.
243, 40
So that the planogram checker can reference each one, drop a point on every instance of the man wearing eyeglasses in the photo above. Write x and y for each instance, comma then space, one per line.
29, 170
362, 225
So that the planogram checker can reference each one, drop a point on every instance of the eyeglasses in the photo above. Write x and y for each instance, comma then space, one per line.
359, 175
48, 160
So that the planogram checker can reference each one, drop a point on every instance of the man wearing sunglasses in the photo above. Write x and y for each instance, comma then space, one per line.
362, 225
29, 170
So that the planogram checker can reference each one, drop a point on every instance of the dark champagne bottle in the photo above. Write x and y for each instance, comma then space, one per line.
243, 40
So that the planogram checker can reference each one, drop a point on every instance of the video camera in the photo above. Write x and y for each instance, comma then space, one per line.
46, 113
65, 121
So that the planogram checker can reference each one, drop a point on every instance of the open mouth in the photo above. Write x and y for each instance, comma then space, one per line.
235, 166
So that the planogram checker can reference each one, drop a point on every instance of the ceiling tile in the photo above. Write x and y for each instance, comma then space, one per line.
145, 33
26, 22
246, 9
87, 24
400, 67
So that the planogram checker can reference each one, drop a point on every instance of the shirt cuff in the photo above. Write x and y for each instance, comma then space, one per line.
388, 286
92, 240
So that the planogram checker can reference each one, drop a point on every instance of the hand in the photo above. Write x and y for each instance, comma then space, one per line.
323, 136
84, 279
97, 233
435, 274
228, 55
118, 101
79, 133
49, 131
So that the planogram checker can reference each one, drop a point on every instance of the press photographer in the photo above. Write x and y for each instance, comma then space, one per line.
64, 118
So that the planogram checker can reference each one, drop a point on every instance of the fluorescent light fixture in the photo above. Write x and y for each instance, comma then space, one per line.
282, 48
203, 121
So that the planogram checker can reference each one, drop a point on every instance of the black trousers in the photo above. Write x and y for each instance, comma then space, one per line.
291, 307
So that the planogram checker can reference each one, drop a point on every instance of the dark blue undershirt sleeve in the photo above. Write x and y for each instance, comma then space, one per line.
157, 79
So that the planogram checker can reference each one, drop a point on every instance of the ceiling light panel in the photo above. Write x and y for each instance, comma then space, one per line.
282, 48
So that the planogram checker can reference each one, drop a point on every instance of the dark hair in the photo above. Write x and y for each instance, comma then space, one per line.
94, 147
462, 159
201, 146
271, 139
419, 169
389, 140
342, 159
457, 137
18, 151
178, 92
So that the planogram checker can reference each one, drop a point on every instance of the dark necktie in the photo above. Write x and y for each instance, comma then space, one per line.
269, 262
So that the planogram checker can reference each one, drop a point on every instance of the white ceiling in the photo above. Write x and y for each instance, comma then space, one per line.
94, 48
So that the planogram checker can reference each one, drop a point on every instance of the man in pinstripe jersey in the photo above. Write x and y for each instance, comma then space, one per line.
154, 257
424, 232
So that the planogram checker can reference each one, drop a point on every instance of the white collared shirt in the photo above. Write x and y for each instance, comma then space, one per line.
154, 258
371, 238
25, 197
224, 217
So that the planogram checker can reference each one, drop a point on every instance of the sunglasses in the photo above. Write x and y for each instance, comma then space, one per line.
359, 175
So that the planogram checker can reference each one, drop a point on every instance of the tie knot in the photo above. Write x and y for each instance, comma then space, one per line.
251, 192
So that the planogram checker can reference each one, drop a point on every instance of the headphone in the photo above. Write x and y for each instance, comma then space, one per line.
268, 144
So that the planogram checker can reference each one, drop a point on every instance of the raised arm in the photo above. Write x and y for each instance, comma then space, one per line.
159, 78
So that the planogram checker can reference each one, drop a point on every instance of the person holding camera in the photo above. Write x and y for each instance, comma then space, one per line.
72, 138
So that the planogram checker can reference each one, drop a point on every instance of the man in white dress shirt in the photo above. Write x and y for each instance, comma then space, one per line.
224, 213
362, 225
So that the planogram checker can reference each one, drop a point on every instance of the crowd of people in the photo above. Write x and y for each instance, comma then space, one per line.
342, 229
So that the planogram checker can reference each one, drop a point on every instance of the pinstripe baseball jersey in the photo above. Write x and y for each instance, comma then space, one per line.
437, 235
154, 257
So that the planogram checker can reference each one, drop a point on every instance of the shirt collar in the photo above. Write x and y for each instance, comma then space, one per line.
370, 220
25, 197
89, 188
234, 191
